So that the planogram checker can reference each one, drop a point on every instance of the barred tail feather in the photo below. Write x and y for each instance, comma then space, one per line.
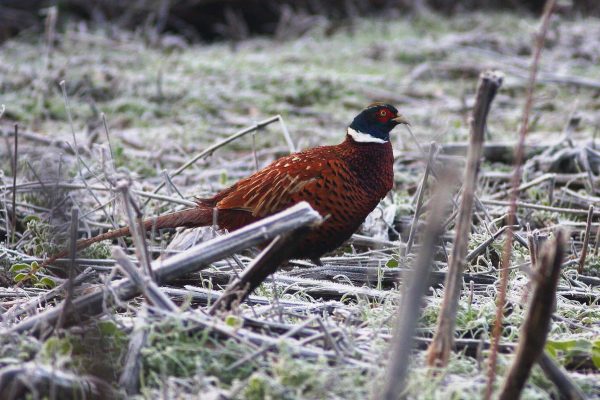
189, 218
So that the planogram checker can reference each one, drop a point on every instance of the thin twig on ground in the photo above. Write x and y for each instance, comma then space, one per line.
17, 380
567, 388
132, 367
143, 282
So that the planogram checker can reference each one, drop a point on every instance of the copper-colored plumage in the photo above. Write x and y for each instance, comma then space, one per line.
344, 183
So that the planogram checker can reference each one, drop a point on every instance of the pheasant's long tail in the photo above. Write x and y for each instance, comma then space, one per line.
189, 218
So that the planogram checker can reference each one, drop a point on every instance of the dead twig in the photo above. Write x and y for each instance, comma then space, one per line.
129, 379
477, 251
19, 309
471, 347
521, 204
143, 282
73, 254
565, 385
136, 228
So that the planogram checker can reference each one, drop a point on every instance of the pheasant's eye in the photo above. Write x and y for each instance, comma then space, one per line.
383, 115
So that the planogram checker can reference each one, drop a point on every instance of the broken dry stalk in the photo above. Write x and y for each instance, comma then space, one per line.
439, 351
586, 240
537, 322
136, 228
145, 285
73, 255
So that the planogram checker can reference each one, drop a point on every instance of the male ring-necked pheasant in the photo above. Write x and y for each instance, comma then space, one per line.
344, 183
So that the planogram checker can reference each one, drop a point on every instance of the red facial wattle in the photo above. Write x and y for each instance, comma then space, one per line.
384, 115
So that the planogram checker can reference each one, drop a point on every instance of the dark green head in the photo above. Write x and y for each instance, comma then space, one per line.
375, 123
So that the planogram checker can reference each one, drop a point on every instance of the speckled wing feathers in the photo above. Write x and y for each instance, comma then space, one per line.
343, 183
273, 188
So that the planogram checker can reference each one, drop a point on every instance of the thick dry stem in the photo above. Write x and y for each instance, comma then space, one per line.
537, 323
439, 351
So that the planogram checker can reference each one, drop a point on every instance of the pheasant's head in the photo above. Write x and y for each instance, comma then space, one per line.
374, 123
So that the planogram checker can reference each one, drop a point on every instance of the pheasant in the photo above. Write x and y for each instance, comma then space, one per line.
344, 183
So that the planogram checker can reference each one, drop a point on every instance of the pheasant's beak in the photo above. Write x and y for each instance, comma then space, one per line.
400, 119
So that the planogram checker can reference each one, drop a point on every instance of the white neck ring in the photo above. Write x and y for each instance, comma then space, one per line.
361, 137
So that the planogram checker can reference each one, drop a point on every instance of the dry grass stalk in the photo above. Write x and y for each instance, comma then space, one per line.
515, 181
15, 160
132, 366
586, 239
145, 285
439, 351
214, 147
537, 322
413, 291
73, 255
136, 228
420, 194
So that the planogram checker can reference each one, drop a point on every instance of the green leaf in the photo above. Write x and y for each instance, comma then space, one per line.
596, 354
391, 263
233, 321
46, 282
19, 267
108, 328
31, 218
19, 277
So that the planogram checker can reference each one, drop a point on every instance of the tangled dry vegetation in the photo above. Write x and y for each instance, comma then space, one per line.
128, 115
